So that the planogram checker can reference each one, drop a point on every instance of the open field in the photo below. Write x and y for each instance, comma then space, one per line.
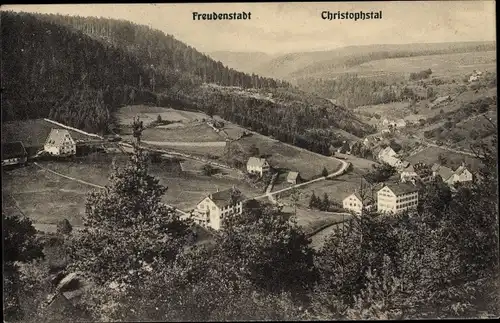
430, 155
148, 114
33, 132
313, 220
190, 133
401, 110
207, 152
337, 188
47, 198
284, 156
44, 197
441, 65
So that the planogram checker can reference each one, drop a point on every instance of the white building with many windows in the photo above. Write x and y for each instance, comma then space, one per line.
216, 206
60, 143
397, 197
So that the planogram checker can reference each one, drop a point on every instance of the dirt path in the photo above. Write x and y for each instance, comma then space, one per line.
94, 185
342, 169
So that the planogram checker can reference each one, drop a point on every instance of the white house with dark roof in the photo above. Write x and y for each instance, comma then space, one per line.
216, 206
386, 152
293, 177
462, 174
444, 172
355, 202
397, 197
258, 166
60, 143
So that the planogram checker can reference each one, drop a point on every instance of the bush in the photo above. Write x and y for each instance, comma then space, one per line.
209, 170
64, 227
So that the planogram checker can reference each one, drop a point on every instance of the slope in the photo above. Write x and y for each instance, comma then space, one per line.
321, 63
78, 70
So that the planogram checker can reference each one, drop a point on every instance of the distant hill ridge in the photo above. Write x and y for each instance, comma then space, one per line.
303, 64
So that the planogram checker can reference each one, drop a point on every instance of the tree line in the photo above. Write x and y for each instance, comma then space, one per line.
352, 91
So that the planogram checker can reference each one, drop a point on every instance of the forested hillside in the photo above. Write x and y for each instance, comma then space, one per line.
160, 52
45, 64
79, 71
242, 61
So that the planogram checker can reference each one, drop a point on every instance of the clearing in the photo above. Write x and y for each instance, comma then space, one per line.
441, 65
48, 198
430, 155
189, 133
281, 155
149, 114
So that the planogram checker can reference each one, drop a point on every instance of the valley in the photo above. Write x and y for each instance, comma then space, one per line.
148, 178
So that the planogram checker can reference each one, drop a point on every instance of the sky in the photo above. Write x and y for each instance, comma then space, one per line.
277, 28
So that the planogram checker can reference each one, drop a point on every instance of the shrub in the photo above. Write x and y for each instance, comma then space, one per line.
64, 227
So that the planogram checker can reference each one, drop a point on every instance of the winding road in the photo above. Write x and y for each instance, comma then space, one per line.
339, 172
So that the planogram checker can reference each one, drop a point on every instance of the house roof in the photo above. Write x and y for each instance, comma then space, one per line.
13, 149
404, 163
58, 135
376, 151
256, 162
387, 151
445, 172
391, 160
441, 99
460, 170
223, 198
401, 188
366, 199
292, 176
409, 169
435, 167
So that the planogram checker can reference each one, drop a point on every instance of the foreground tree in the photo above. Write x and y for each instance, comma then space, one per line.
271, 250
21, 246
128, 231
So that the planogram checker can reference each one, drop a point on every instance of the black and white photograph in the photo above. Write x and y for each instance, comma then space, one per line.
264, 161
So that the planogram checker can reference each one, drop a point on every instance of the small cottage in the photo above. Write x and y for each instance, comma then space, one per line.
293, 178
258, 166
14, 153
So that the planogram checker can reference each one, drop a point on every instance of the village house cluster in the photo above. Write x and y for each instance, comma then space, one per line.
396, 197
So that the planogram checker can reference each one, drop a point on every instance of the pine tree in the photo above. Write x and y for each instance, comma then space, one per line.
128, 230
312, 201
325, 204
324, 173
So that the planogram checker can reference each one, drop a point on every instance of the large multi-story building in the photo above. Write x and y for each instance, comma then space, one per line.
397, 197
216, 206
